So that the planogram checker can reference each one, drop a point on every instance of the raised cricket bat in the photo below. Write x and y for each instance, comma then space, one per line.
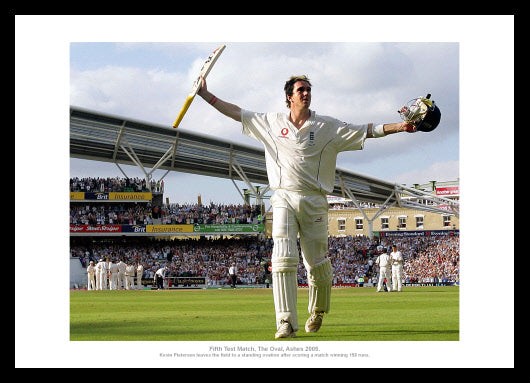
206, 68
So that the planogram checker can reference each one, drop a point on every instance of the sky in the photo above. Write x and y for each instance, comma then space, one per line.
354, 82
363, 68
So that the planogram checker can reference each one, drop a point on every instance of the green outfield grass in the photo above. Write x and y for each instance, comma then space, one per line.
357, 314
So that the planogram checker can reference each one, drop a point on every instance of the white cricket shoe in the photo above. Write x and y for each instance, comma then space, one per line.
314, 322
285, 330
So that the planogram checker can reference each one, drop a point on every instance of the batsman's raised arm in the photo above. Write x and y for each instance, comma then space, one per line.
230, 110
386, 129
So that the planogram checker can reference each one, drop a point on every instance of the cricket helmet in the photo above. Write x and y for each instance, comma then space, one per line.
422, 112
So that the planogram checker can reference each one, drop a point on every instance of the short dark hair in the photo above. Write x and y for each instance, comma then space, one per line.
289, 85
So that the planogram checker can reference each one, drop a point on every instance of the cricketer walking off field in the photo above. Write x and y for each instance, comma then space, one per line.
301, 149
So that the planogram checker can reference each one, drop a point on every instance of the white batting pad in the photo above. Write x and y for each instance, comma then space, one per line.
284, 287
319, 279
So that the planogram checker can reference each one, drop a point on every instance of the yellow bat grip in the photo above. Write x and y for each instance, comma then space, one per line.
183, 111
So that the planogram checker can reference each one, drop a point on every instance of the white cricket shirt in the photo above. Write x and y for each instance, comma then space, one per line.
397, 258
302, 160
383, 260
121, 267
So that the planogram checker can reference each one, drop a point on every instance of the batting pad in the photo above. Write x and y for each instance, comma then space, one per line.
319, 279
284, 287
284, 255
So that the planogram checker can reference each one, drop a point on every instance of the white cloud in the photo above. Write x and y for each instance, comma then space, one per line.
149, 95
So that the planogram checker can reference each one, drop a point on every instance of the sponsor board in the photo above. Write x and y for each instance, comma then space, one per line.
191, 229
112, 196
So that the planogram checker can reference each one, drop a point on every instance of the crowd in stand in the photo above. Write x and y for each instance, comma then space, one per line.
108, 185
433, 260
427, 259
146, 213
212, 214
184, 257
172, 214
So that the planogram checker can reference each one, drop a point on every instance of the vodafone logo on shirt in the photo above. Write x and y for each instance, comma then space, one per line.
284, 133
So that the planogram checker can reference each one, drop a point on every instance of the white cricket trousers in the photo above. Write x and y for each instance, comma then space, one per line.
121, 280
91, 282
397, 278
384, 272
305, 215
129, 284
113, 281
102, 281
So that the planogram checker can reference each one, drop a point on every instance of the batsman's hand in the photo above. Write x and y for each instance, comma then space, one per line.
202, 87
408, 127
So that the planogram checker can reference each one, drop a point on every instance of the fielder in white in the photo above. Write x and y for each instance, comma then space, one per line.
301, 149
113, 278
97, 273
139, 275
91, 271
121, 274
101, 274
397, 269
105, 275
384, 262
129, 276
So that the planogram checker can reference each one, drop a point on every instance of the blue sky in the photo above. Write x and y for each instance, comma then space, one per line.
355, 82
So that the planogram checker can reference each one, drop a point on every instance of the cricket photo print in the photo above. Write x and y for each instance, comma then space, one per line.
288, 204
273, 264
